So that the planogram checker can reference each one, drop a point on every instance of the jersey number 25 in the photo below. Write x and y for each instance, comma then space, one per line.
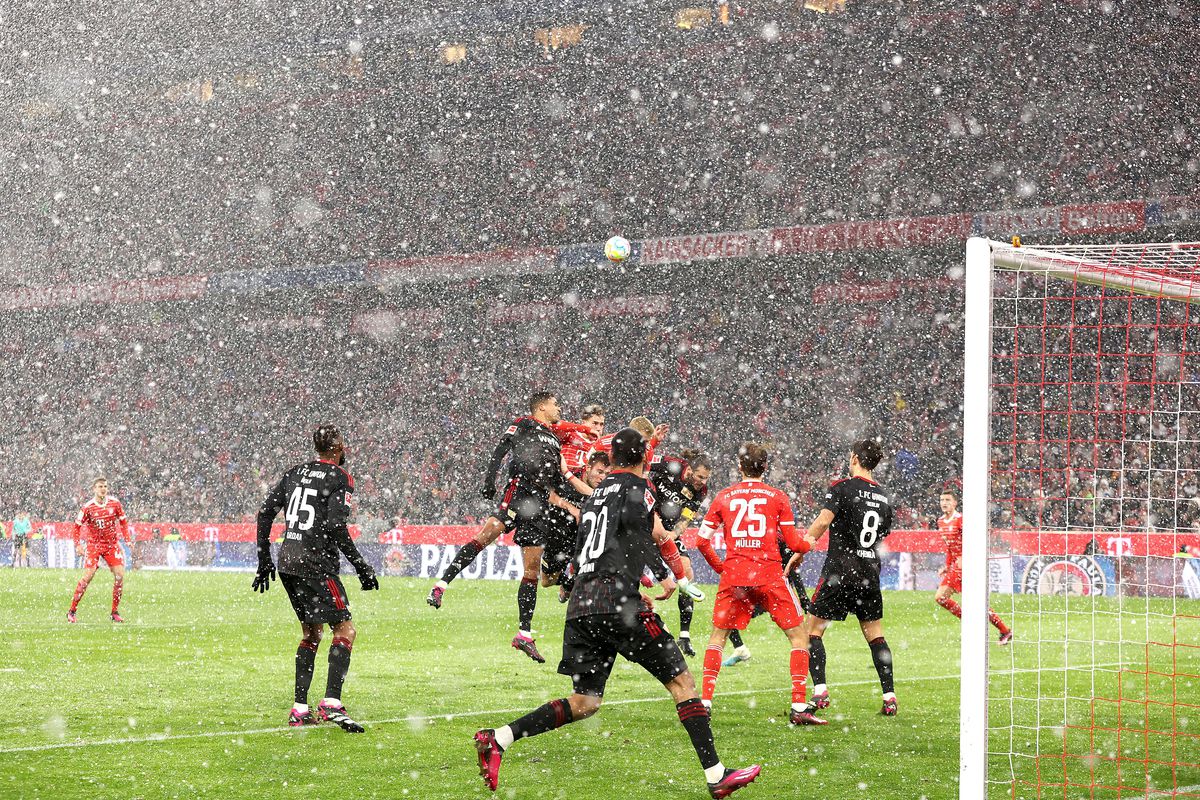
746, 511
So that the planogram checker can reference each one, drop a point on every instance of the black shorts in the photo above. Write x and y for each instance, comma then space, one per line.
836, 597
591, 645
317, 599
561, 535
524, 511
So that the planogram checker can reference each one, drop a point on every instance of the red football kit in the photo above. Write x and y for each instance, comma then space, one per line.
604, 445
754, 516
103, 523
951, 528
577, 441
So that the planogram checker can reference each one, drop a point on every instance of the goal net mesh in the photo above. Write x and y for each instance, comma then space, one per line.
1093, 522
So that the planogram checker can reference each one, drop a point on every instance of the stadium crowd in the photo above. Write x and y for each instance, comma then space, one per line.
770, 121
192, 408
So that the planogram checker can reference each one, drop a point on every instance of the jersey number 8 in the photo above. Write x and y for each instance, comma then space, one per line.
297, 504
870, 529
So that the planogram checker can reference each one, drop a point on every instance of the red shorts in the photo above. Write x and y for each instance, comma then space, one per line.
735, 605
113, 556
953, 580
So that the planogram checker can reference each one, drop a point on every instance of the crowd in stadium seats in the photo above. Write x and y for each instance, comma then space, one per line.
655, 131
192, 410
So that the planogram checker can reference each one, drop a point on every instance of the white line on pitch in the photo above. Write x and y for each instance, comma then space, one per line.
165, 737
1173, 792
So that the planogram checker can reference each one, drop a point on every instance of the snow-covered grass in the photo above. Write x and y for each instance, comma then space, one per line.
188, 699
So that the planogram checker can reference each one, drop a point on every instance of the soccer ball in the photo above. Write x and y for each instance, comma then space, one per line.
617, 249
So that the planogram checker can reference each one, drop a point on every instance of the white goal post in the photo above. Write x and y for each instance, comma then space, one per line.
1098, 681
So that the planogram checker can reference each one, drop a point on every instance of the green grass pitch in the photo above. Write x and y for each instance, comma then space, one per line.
189, 698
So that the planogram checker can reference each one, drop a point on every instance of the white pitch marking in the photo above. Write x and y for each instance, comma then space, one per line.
165, 737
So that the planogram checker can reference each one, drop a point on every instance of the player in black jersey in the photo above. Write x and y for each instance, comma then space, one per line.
858, 516
607, 616
318, 497
682, 487
535, 473
563, 526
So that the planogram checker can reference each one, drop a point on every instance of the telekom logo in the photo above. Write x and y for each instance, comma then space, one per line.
1119, 546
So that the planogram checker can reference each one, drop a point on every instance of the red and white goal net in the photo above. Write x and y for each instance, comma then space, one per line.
1082, 522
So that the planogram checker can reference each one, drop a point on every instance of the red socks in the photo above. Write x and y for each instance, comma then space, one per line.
117, 587
951, 605
712, 666
954, 608
80, 588
799, 663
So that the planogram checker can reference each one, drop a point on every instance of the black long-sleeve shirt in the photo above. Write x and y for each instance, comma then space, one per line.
317, 497
536, 456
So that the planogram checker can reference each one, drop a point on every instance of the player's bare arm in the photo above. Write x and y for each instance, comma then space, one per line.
819, 527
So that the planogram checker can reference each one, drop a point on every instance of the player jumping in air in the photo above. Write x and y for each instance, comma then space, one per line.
317, 496
754, 517
682, 485
534, 476
643, 425
103, 519
950, 525
858, 516
607, 616
578, 438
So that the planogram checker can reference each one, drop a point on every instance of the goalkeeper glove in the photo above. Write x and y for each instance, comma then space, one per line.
690, 589
264, 576
367, 579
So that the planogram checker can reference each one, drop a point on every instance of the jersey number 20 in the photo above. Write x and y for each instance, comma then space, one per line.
299, 504
593, 543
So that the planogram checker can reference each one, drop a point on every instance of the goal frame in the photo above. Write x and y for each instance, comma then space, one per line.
983, 256
977, 384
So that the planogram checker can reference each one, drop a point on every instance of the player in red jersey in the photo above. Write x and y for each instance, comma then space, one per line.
103, 518
578, 438
755, 517
950, 525
646, 428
